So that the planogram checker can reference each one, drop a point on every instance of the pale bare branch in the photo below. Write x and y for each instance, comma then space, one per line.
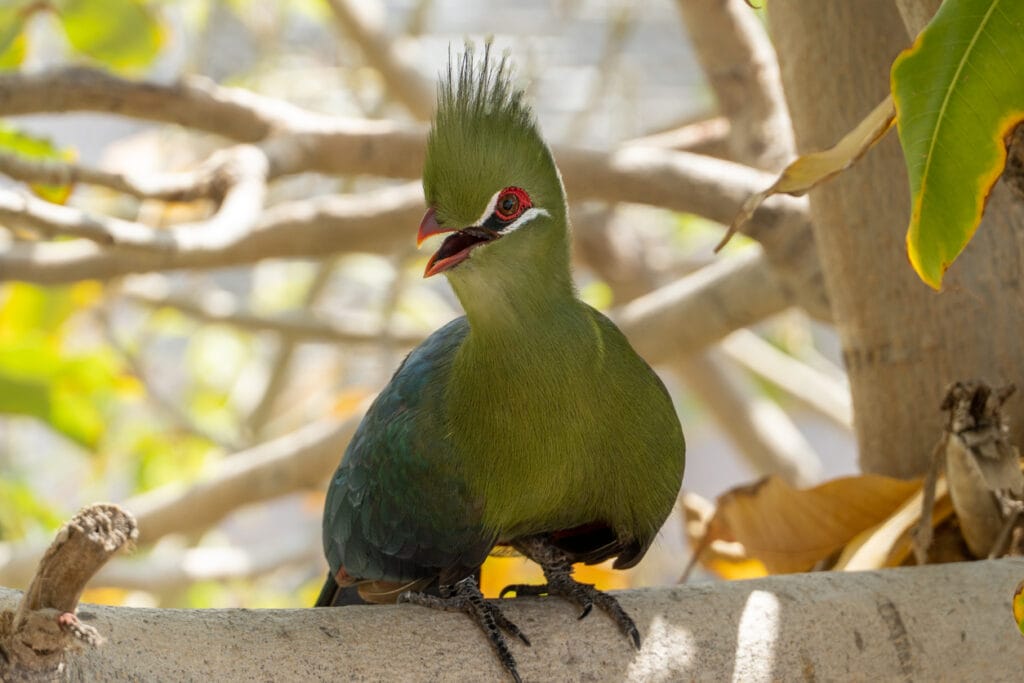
724, 296
740, 64
184, 186
717, 631
813, 388
375, 222
238, 212
362, 22
764, 435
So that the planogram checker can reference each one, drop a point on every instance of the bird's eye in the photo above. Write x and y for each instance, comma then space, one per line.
512, 201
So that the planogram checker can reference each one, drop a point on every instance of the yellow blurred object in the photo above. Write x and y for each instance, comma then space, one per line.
348, 401
732, 568
498, 572
104, 596
1018, 606
86, 293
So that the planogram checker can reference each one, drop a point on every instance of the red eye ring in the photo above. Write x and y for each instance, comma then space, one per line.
511, 203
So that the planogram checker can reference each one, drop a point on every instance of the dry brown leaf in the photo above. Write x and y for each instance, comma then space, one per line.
790, 530
813, 168
889, 544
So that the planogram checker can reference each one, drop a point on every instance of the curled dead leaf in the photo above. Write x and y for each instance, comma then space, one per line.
792, 530
811, 169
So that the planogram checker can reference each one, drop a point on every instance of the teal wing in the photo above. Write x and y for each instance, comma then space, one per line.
397, 508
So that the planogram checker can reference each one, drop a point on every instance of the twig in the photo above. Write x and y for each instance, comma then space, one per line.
22, 210
246, 167
35, 639
708, 137
194, 102
361, 22
222, 307
813, 388
163, 403
184, 186
281, 367
374, 222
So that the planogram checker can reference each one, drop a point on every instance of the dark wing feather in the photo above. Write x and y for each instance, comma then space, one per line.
397, 509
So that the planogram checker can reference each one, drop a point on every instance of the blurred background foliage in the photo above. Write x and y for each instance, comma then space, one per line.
104, 398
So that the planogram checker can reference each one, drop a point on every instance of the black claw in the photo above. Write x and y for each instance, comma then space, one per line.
636, 637
465, 596
557, 567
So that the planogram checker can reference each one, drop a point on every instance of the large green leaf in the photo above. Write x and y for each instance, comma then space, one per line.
959, 91
122, 34
69, 391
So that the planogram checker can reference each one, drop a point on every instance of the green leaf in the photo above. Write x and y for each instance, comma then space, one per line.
122, 34
959, 90
12, 37
18, 142
19, 506
70, 392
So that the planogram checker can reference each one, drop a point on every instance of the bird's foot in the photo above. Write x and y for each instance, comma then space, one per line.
558, 571
465, 596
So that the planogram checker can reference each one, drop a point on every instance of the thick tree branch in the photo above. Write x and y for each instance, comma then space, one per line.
896, 624
724, 296
740, 64
194, 102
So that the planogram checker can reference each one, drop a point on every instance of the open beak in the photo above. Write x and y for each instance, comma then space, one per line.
456, 247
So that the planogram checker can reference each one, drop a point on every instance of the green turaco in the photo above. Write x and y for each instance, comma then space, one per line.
529, 423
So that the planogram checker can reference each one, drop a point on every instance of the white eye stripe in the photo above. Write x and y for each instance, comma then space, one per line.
527, 216
490, 208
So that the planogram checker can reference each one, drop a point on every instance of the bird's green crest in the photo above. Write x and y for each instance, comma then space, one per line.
484, 139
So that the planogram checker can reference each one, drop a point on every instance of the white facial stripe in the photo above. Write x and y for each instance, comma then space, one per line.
489, 210
527, 216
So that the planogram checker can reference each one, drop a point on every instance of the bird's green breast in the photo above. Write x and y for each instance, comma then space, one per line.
562, 424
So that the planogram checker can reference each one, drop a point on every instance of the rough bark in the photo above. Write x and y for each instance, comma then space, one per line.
902, 343
948, 622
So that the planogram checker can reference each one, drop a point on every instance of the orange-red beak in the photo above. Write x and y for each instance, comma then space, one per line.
456, 247
430, 227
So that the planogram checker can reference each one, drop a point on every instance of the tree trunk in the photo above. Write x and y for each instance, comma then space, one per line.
942, 622
902, 342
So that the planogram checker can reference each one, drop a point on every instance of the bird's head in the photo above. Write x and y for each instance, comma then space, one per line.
491, 182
